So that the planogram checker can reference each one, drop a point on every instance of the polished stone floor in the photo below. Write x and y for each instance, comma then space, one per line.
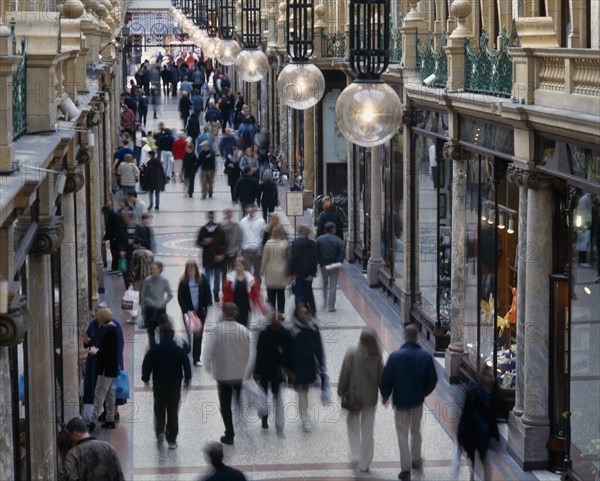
322, 454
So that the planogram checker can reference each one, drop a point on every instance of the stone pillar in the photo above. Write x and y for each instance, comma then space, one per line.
409, 29
40, 349
281, 25
350, 237
309, 157
7, 468
456, 45
528, 434
70, 329
455, 351
8, 65
265, 121
82, 259
375, 261
284, 139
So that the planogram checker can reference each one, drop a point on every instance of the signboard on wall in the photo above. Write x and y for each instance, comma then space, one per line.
294, 205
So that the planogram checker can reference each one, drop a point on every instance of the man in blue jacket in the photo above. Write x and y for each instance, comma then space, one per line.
409, 376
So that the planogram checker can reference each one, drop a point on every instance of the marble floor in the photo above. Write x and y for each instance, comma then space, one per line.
321, 454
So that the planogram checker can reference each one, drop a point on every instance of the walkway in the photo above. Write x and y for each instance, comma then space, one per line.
321, 454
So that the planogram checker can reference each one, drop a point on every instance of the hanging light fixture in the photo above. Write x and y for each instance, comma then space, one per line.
368, 112
212, 41
501, 224
251, 64
300, 84
228, 49
511, 226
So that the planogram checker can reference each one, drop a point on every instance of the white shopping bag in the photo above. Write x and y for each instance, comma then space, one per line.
256, 396
131, 302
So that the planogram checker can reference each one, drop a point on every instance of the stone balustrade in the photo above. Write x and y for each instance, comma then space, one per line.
557, 78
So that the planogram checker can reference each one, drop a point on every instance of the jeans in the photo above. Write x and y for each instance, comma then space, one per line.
166, 405
303, 294
216, 274
409, 419
166, 158
276, 297
226, 391
151, 194
360, 436
208, 178
277, 400
138, 154
330, 280
104, 392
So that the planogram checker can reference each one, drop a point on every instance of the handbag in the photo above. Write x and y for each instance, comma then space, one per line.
130, 302
122, 264
350, 399
256, 396
193, 321
122, 385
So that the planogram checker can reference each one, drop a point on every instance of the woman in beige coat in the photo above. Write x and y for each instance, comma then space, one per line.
274, 267
358, 387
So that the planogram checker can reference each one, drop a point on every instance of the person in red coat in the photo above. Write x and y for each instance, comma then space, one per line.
179, 145
243, 290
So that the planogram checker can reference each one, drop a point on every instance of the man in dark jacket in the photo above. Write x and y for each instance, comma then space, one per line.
90, 459
169, 364
246, 190
208, 163
331, 252
409, 377
303, 266
213, 452
268, 196
212, 241
112, 225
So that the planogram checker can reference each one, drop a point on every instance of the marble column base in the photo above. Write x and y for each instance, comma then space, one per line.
527, 444
373, 267
452, 361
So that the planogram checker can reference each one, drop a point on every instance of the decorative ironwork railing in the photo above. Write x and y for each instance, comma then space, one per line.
19, 86
334, 46
396, 44
489, 72
432, 61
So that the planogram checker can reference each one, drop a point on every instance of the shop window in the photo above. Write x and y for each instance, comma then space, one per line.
491, 267
569, 159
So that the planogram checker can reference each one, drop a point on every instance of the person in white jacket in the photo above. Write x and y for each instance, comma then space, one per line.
253, 231
226, 357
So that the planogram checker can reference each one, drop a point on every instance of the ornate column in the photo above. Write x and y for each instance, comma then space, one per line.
68, 292
283, 137
375, 261
528, 434
454, 353
40, 348
309, 156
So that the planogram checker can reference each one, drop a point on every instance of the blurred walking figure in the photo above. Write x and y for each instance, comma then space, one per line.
243, 290
308, 359
190, 167
212, 241
303, 266
156, 294
358, 387
213, 453
193, 294
274, 268
169, 365
273, 364
477, 423
409, 377
226, 357
331, 252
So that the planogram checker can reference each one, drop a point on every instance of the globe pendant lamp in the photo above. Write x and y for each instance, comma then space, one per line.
300, 84
368, 112
210, 45
228, 49
251, 64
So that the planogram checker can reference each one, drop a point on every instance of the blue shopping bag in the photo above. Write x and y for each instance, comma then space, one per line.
122, 385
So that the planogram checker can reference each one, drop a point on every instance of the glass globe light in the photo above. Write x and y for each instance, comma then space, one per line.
209, 46
252, 65
368, 113
227, 51
300, 85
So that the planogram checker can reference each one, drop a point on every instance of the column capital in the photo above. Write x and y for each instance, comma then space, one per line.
84, 156
453, 151
48, 235
530, 179
75, 180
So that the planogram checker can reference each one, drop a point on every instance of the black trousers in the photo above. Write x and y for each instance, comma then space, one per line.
264, 382
166, 407
267, 211
226, 391
190, 177
114, 253
151, 315
276, 297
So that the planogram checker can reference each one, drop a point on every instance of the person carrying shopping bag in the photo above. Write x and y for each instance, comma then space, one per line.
358, 388
193, 294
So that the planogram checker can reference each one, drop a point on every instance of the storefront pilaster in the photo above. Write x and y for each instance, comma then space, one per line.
375, 260
455, 351
7, 468
81, 232
309, 156
351, 234
529, 433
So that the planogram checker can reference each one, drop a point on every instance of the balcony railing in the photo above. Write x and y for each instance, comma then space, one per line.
396, 45
432, 61
19, 86
333, 46
489, 72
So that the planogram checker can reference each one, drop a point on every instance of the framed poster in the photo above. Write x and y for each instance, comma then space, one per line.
294, 205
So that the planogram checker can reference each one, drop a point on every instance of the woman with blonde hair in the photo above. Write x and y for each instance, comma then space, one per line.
358, 388
274, 267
